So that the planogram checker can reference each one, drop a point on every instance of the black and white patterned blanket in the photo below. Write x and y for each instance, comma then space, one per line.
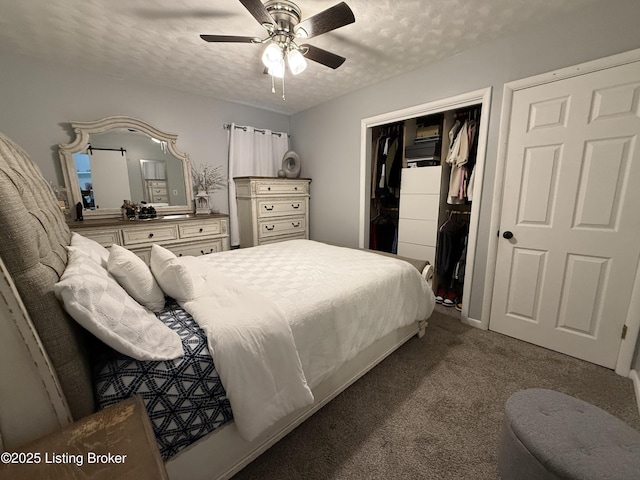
184, 397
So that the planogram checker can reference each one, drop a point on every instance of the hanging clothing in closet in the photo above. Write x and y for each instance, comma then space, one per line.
451, 257
385, 188
452, 240
387, 162
461, 157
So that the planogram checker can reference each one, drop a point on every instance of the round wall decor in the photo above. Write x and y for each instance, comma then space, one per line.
291, 164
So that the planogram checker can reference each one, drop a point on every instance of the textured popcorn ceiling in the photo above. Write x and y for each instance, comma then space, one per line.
157, 41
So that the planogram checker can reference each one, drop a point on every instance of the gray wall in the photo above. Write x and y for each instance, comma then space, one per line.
38, 99
327, 137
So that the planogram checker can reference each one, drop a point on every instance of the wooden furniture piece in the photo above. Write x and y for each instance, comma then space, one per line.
157, 191
117, 442
418, 218
272, 209
185, 235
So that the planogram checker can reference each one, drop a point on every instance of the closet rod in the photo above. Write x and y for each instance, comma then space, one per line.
468, 112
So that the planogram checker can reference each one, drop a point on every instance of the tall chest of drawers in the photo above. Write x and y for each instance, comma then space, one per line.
192, 235
272, 209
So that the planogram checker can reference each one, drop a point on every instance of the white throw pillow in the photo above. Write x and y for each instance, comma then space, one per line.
98, 303
135, 277
171, 274
90, 248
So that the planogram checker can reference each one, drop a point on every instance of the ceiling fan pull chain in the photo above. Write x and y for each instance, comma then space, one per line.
283, 88
273, 84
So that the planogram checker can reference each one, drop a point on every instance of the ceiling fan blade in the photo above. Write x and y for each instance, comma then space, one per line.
258, 10
229, 38
176, 13
322, 56
335, 17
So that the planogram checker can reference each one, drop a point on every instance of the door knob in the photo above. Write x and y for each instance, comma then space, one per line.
507, 235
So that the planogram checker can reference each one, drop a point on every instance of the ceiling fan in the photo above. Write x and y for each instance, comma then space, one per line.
282, 20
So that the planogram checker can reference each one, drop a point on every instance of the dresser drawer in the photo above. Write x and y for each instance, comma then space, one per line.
195, 249
151, 234
144, 254
159, 191
106, 238
157, 183
279, 208
200, 230
281, 188
159, 199
275, 227
282, 238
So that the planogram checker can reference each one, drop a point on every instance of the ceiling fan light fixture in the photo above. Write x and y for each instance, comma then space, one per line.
277, 69
273, 56
296, 61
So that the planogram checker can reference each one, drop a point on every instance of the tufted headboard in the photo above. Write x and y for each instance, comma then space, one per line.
33, 236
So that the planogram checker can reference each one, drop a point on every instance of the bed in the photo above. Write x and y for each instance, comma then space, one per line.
52, 375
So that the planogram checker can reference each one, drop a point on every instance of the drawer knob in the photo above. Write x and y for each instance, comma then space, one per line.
269, 188
269, 228
295, 188
295, 206
150, 235
268, 208
201, 230
295, 225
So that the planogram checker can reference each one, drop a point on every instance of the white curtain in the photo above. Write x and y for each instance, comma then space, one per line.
252, 152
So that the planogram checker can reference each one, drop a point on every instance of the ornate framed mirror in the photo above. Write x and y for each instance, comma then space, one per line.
122, 158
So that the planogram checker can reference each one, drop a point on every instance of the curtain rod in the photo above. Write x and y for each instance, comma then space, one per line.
227, 126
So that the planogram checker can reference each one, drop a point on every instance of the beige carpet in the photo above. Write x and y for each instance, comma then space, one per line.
433, 409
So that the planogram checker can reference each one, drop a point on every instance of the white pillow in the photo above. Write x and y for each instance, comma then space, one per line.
98, 303
171, 274
90, 248
135, 277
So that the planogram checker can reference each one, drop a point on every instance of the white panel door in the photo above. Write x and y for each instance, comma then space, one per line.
110, 178
572, 203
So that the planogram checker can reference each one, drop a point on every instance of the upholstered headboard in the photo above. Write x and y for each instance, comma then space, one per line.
33, 236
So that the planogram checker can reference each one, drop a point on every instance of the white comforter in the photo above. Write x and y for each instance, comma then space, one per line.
281, 318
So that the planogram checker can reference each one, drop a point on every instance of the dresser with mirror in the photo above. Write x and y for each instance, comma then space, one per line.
123, 158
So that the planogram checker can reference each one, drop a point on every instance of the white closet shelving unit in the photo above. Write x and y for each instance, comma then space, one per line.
418, 215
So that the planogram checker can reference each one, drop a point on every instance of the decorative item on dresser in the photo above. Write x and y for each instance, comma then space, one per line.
184, 235
206, 179
272, 209
291, 164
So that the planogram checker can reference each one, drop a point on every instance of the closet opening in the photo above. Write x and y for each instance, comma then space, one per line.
423, 172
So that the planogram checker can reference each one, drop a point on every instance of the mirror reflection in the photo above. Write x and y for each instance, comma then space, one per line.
123, 158
124, 164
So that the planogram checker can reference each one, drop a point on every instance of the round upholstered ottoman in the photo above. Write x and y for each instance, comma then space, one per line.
550, 435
